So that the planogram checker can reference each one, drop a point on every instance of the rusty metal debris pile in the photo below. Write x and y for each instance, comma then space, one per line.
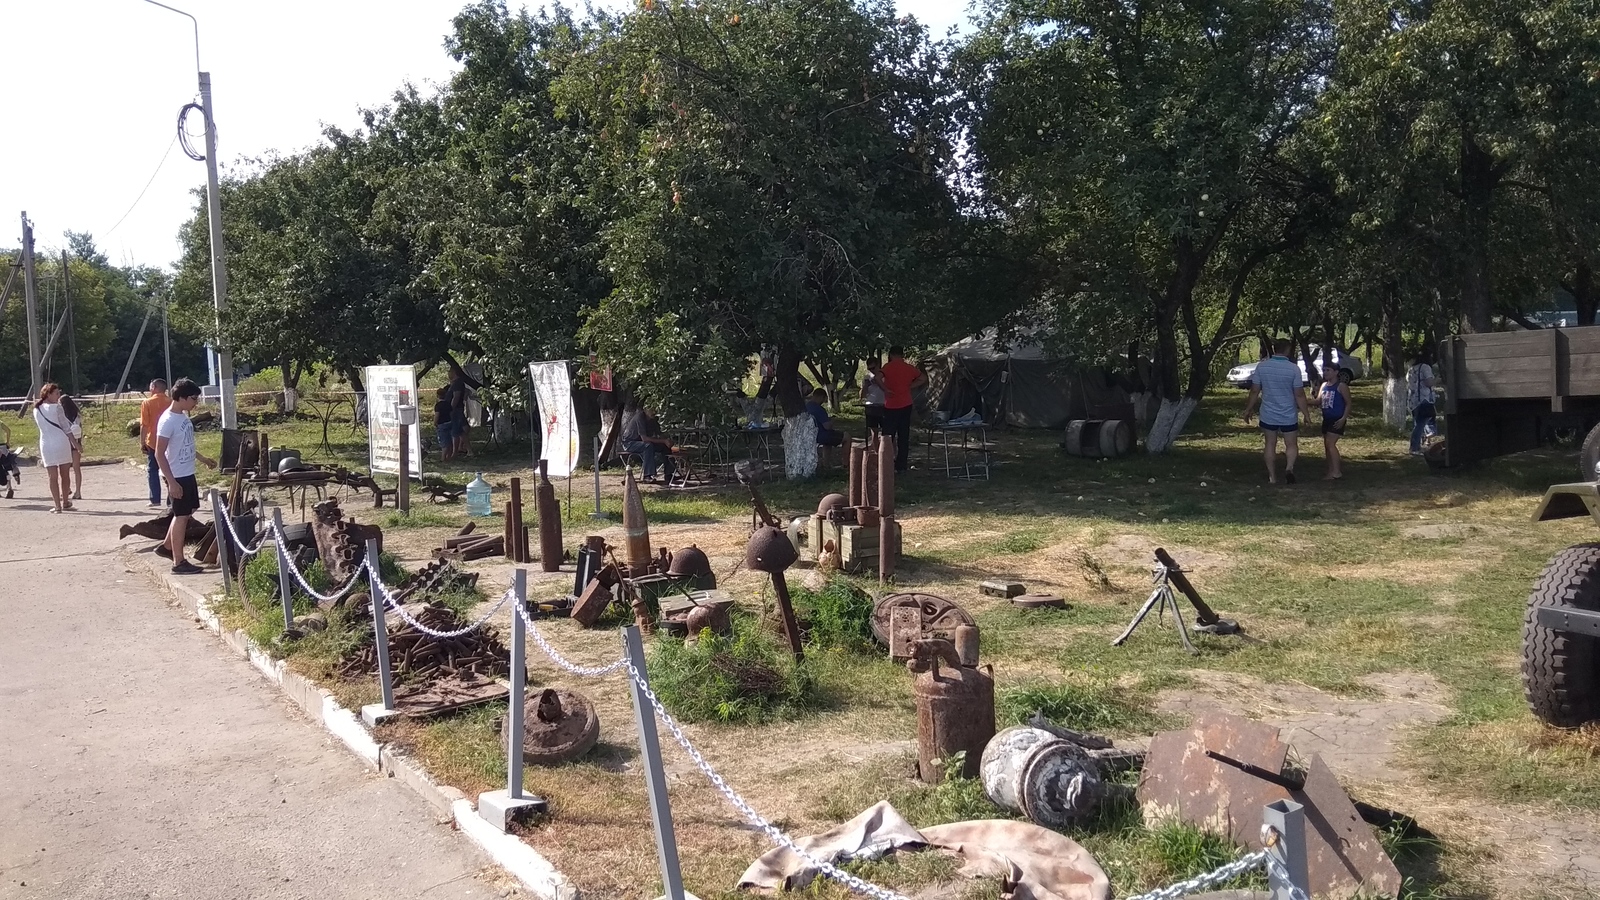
416, 655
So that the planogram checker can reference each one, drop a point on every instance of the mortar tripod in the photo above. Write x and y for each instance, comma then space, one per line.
1167, 573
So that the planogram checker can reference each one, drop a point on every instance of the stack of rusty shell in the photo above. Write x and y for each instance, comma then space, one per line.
415, 655
434, 578
550, 552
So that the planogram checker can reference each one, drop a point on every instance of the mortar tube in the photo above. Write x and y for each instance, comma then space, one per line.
857, 457
885, 474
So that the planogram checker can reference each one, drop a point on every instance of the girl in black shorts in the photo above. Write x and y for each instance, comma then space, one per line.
1335, 396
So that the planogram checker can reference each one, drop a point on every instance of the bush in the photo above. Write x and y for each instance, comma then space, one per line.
840, 616
746, 677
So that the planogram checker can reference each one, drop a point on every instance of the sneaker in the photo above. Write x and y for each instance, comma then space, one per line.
163, 551
1416, 453
1288, 476
186, 568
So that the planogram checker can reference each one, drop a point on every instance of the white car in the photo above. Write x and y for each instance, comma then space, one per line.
1239, 376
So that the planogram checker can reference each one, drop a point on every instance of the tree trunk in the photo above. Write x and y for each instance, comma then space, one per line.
787, 387
1170, 420
1302, 340
1328, 343
1583, 292
1394, 360
1477, 197
291, 384
799, 446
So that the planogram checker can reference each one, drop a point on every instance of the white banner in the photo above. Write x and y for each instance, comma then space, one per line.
552, 385
387, 388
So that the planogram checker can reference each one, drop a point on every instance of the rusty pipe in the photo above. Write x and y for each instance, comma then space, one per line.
885, 475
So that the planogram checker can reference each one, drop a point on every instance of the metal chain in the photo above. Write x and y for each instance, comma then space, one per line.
239, 542
389, 601
755, 818
300, 578
557, 658
1211, 879
1278, 872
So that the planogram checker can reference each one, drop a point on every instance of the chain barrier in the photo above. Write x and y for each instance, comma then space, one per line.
300, 578
738, 802
1276, 868
1210, 879
239, 543
561, 661
391, 603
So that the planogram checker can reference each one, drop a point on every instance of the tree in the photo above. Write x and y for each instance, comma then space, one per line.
769, 173
1156, 148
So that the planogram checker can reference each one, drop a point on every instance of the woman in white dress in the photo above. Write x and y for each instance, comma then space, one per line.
55, 445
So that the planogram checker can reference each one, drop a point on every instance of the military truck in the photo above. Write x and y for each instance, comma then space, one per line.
1561, 628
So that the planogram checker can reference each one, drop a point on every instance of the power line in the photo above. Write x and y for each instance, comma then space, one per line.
146, 188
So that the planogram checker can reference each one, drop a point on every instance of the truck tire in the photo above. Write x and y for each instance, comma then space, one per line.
1589, 456
1560, 671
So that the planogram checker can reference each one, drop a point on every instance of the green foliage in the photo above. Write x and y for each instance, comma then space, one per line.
1081, 704
746, 678
839, 616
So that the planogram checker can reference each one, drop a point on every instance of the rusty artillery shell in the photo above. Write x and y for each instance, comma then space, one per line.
858, 453
869, 484
885, 475
549, 522
635, 527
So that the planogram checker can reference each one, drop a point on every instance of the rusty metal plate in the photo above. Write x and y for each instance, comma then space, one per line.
1180, 782
1343, 856
596, 597
938, 614
448, 695
1038, 601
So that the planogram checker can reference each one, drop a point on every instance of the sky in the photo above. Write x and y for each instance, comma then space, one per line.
101, 83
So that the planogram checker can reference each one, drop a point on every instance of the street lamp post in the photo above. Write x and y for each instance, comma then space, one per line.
219, 255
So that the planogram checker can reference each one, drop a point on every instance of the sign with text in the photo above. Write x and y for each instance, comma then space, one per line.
389, 387
552, 385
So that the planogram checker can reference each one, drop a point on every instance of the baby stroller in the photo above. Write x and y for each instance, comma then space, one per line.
10, 476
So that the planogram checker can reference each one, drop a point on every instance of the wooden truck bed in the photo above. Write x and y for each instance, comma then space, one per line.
1511, 391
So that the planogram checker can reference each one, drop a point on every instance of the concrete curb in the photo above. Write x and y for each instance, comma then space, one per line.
509, 852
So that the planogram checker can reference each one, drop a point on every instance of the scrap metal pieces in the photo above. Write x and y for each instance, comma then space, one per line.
416, 655
1006, 589
1181, 781
448, 694
558, 726
955, 709
341, 542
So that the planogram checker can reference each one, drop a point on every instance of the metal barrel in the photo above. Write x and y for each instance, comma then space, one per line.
1031, 771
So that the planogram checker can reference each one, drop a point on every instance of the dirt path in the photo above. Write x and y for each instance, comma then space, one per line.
141, 761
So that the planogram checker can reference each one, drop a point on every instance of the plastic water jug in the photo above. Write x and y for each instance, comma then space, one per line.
478, 503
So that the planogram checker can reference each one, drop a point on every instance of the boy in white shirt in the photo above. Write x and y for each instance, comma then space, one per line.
176, 455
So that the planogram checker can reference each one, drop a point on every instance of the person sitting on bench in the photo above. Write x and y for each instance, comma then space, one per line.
642, 436
826, 435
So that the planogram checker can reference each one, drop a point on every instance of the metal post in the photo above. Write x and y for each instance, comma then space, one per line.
30, 297
1288, 819
219, 522
501, 808
402, 492
166, 341
219, 254
137, 340
597, 514
519, 685
372, 714
655, 776
285, 586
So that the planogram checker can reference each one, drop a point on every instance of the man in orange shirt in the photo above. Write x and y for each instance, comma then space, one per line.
899, 378
149, 414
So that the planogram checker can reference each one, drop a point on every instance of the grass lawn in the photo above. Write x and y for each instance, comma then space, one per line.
1389, 606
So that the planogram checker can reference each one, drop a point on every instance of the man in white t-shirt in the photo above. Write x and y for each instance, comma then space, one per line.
176, 455
1277, 388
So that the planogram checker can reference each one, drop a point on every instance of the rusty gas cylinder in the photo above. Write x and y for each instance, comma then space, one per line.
955, 709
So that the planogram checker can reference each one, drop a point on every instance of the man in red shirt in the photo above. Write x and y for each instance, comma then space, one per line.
899, 379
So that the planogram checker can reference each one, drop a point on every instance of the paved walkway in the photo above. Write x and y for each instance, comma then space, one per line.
140, 760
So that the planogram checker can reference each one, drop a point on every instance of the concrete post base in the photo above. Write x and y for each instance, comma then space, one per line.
500, 809
375, 714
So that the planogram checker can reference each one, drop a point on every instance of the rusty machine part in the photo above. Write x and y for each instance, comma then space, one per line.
414, 654
938, 614
558, 726
549, 511
1184, 778
955, 709
967, 643
341, 542
769, 551
635, 526
592, 603
1054, 782
831, 502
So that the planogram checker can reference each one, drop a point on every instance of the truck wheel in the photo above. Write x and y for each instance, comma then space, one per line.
1589, 456
1560, 671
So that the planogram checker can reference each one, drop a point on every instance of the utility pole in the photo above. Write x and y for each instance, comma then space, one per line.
31, 298
219, 256
166, 339
72, 324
